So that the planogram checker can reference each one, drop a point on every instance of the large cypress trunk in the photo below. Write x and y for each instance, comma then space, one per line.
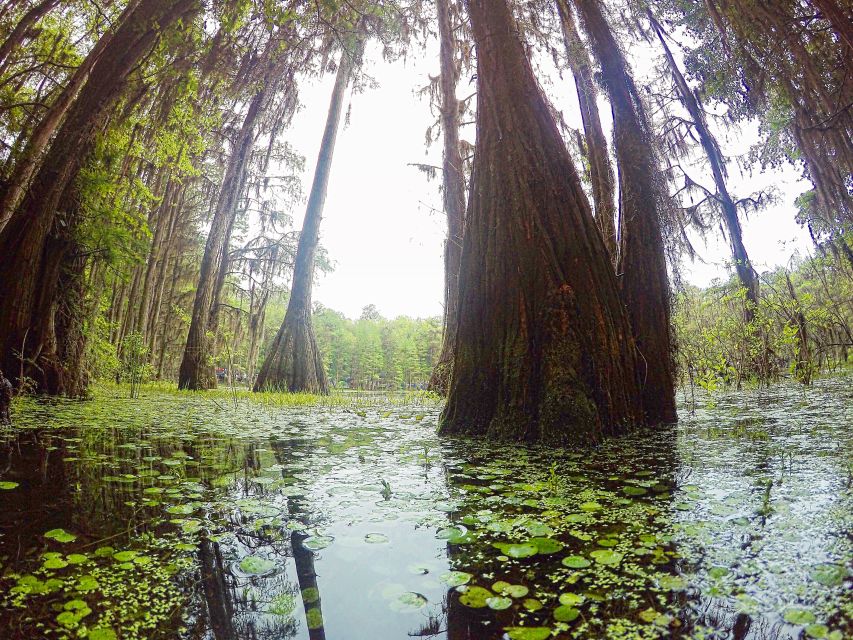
600, 171
196, 367
293, 362
454, 195
544, 349
743, 266
26, 303
644, 282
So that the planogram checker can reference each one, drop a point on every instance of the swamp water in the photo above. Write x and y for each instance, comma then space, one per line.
176, 516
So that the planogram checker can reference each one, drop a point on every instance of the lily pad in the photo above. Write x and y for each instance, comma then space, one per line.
528, 633
310, 595
60, 535
475, 597
511, 590
565, 614
455, 578
315, 543
829, 574
571, 599
314, 618
798, 616
256, 565
54, 563
606, 556
576, 562
409, 601
672, 583
376, 538
517, 550
546, 545
499, 603
532, 604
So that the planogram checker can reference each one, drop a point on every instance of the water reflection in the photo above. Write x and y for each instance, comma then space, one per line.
328, 523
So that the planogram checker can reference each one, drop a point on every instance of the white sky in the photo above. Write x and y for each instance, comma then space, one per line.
383, 227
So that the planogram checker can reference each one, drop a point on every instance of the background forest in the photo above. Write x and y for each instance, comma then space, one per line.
149, 194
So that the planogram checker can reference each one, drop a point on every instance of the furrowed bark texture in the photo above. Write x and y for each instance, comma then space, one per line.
600, 171
454, 195
644, 282
35, 241
294, 362
544, 349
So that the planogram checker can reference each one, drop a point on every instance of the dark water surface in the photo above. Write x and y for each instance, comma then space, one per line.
177, 516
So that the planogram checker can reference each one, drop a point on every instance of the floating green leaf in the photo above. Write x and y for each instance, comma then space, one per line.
606, 556
455, 578
546, 545
499, 603
409, 601
565, 614
256, 565
475, 597
528, 633
315, 543
60, 535
798, 615
829, 574
532, 604
571, 599
314, 618
576, 562
376, 538
310, 595
517, 550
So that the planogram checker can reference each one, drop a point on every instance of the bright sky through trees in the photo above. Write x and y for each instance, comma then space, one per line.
384, 228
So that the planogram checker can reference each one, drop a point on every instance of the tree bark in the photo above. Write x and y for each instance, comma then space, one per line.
33, 154
544, 349
293, 362
644, 282
453, 197
159, 220
27, 303
841, 22
164, 256
690, 100
196, 367
16, 37
600, 171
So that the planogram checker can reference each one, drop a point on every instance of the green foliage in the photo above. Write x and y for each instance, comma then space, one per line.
375, 353
134, 360
796, 336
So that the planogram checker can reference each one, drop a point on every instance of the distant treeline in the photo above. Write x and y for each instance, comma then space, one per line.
371, 352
